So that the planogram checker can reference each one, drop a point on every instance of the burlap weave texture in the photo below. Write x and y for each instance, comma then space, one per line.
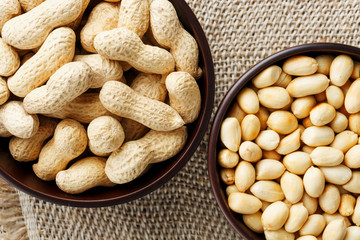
240, 34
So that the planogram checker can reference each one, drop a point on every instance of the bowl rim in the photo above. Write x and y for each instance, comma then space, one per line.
229, 97
185, 154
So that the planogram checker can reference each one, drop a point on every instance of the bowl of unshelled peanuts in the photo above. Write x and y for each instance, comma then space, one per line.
284, 148
101, 102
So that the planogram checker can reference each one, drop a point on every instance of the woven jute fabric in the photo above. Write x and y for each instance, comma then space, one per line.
240, 34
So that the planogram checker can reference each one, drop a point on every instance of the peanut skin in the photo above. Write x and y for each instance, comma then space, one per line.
124, 45
29, 30
69, 141
168, 31
132, 158
121, 100
84, 174
25, 150
57, 50
67, 83
9, 59
8, 10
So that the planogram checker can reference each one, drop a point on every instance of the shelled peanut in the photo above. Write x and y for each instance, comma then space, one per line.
131, 125
290, 153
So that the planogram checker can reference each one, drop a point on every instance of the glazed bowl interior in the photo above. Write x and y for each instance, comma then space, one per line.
22, 177
218, 186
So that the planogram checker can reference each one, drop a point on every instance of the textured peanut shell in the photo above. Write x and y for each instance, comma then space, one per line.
123, 101
83, 175
75, 24
132, 158
8, 10
105, 135
135, 15
184, 95
104, 69
26, 57
27, 5
25, 150
9, 59
57, 50
17, 121
103, 17
168, 31
67, 83
69, 141
30, 29
148, 85
124, 45
84, 109
3, 132
4, 91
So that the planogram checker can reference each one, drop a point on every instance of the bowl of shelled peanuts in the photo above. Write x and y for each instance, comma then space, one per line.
101, 102
284, 149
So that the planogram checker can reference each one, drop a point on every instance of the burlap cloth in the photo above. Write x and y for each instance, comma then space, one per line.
240, 34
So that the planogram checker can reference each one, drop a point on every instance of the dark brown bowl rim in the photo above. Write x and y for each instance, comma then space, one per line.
218, 192
184, 156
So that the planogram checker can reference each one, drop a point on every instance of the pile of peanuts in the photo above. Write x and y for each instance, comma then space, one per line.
290, 152
72, 109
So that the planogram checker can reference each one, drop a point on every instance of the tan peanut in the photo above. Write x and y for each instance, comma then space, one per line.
168, 31
352, 97
244, 176
29, 30
236, 112
274, 97
308, 85
307, 237
9, 59
263, 115
135, 16
268, 140
327, 156
352, 232
292, 187
282, 122
307, 149
283, 80
352, 157
227, 175
84, 109
302, 106
104, 69
230, 189
83, 175
306, 122
315, 136
184, 95
244, 203
354, 123
127, 46
8, 10
300, 65
341, 69
4, 91
227, 158
25, 150
290, 143
279, 234
67, 83
253, 221
345, 140
17, 121
329, 200
339, 174
269, 191
335, 230
336, 216
297, 162
105, 135
335, 96
267, 77
314, 225
230, 133
339, 123
356, 71
250, 127
310, 203
58, 49
248, 101
347, 205
314, 182
356, 215
275, 216
132, 158
103, 17
324, 62
297, 217
354, 184
269, 169
69, 141
250, 151
271, 155
322, 114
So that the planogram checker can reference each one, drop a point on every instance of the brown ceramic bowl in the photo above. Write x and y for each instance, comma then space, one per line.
214, 143
22, 177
